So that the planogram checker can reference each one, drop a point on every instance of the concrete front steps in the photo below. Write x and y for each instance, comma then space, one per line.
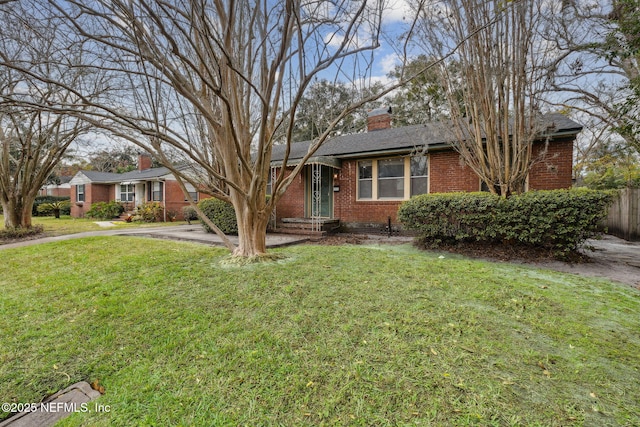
126, 214
305, 226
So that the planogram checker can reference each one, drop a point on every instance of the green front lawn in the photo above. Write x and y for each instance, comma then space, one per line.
353, 335
68, 225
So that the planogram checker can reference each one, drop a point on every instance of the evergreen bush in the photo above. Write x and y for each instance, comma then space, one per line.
560, 220
40, 200
220, 213
189, 214
105, 210
149, 212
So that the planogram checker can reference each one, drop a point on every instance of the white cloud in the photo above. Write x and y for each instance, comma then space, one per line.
395, 11
333, 40
388, 62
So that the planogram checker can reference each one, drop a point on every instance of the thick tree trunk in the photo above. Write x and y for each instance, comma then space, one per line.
17, 212
252, 229
252, 238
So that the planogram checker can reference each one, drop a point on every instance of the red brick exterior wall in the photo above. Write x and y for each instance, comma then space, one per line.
454, 177
447, 173
174, 198
174, 201
55, 191
92, 193
556, 170
350, 210
291, 205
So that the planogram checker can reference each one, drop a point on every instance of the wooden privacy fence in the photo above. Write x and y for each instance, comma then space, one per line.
624, 217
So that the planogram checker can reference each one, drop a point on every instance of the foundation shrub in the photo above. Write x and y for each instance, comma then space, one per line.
149, 212
220, 213
105, 210
449, 217
559, 220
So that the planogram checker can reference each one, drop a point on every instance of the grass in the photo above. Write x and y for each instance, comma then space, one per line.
352, 335
68, 225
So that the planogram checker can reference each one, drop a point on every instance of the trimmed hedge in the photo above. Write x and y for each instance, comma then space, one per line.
220, 213
41, 200
560, 220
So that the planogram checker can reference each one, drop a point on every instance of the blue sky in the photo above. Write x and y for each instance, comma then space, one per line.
395, 18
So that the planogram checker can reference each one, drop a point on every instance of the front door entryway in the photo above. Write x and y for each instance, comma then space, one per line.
318, 191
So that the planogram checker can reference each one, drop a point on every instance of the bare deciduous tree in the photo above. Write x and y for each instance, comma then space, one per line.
495, 121
218, 81
32, 139
596, 66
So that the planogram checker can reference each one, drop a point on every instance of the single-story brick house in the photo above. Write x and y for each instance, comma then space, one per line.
361, 179
146, 184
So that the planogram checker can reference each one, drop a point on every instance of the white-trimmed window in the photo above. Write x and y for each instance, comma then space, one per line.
395, 178
127, 192
391, 175
192, 192
80, 193
419, 175
269, 182
155, 191
365, 179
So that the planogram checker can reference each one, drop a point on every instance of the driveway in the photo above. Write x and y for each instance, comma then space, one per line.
611, 258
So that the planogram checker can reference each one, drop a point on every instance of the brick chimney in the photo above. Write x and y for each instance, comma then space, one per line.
379, 119
144, 162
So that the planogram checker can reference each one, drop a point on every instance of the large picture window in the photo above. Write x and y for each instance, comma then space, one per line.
393, 179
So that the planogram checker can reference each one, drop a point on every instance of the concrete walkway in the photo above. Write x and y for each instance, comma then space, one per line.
187, 233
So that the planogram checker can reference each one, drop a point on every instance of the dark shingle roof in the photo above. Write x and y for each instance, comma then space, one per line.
108, 177
399, 140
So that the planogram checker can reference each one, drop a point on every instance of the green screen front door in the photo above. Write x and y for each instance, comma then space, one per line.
319, 191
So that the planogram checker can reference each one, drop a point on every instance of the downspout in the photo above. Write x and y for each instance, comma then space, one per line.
164, 199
